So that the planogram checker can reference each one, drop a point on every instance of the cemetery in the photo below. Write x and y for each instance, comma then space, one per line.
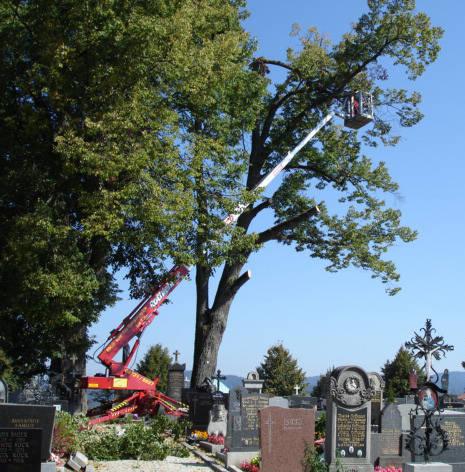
154, 150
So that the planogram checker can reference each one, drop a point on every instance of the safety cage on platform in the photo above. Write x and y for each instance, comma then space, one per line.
358, 110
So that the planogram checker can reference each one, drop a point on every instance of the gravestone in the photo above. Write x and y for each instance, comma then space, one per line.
279, 401
454, 424
200, 403
377, 384
348, 425
392, 441
20, 449
253, 383
284, 434
28, 417
218, 419
298, 401
176, 378
234, 400
242, 431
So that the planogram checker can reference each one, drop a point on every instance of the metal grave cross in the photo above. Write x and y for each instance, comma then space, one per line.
218, 378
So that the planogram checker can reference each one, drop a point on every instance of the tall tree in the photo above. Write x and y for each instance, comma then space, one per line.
280, 372
156, 363
396, 373
94, 100
359, 228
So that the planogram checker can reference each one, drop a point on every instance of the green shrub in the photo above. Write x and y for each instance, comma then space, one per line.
66, 433
131, 440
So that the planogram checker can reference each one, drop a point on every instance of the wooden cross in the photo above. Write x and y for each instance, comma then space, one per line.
176, 355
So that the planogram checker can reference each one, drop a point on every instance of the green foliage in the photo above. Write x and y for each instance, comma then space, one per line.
320, 426
131, 440
355, 227
156, 363
313, 461
7, 373
396, 372
95, 109
280, 372
65, 439
320, 390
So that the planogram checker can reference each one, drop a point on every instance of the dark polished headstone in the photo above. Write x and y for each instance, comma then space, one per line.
348, 425
243, 425
20, 450
351, 432
200, 403
18, 416
284, 433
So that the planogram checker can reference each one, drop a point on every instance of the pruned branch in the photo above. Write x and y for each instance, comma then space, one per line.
240, 281
276, 231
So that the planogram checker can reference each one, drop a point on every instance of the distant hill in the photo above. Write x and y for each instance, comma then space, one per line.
232, 381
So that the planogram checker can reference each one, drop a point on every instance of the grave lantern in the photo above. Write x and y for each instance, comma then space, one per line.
413, 380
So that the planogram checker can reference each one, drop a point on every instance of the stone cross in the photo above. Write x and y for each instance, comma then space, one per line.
176, 355
296, 388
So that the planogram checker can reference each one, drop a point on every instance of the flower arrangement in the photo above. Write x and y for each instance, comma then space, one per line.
252, 466
389, 468
198, 435
216, 439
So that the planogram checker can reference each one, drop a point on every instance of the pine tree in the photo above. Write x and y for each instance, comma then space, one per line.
320, 390
396, 373
281, 372
156, 363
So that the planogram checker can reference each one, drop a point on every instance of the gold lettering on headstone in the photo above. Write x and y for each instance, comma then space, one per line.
24, 423
456, 437
351, 430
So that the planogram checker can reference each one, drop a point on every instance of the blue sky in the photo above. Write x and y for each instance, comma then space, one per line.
329, 319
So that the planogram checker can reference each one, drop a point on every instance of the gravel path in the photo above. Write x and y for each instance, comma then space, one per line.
170, 464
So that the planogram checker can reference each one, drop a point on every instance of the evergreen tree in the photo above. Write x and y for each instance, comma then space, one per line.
396, 372
320, 390
156, 363
280, 372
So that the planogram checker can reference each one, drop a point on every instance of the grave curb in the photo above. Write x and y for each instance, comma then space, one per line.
210, 462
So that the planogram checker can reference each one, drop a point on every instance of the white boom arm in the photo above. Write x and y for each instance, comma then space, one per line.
232, 218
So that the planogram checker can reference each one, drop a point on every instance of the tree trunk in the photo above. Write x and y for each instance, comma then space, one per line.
211, 322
